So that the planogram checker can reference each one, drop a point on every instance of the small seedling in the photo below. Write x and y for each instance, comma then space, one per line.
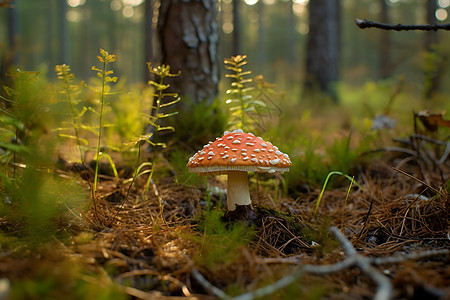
326, 183
162, 100
105, 58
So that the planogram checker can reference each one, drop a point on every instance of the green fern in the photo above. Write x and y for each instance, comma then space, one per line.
250, 99
162, 100
71, 91
105, 58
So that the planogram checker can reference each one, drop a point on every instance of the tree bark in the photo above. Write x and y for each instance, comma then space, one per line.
148, 31
236, 28
431, 37
322, 58
385, 51
435, 61
189, 36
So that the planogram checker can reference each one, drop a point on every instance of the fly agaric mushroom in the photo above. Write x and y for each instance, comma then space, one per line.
235, 154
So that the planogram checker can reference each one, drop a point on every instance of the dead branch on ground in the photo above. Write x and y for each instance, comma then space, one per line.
353, 258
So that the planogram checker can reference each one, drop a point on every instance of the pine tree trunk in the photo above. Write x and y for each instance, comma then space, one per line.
435, 60
322, 58
148, 29
189, 36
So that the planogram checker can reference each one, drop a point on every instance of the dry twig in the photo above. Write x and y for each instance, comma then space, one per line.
400, 27
353, 258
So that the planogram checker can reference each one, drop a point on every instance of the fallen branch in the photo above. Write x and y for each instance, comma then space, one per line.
384, 289
400, 27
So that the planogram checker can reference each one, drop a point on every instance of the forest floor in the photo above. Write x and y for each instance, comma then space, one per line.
387, 236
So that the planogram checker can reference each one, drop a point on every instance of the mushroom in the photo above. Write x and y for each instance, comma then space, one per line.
235, 154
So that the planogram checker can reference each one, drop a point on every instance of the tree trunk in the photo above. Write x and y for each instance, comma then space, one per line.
385, 51
148, 31
322, 58
11, 54
431, 36
236, 28
189, 36
435, 59
64, 54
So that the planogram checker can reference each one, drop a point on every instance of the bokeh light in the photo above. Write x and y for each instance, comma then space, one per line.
441, 14
251, 2
75, 3
444, 3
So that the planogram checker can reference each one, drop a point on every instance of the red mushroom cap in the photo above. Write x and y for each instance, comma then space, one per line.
239, 151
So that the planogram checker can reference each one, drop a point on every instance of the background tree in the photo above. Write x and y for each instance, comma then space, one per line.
323, 48
148, 32
435, 61
385, 43
189, 43
236, 28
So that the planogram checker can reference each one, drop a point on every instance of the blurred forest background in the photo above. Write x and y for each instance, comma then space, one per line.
37, 35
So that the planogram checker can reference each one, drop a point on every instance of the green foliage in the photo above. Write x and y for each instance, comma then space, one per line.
325, 185
219, 242
37, 196
64, 280
71, 91
248, 104
105, 58
205, 122
161, 101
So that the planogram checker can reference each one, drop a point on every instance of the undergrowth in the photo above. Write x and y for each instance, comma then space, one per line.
218, 242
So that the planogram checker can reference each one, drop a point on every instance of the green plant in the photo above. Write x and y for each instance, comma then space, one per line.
37, 194
161, 100
352, 181
105, 58
248, 104
71, 91
219, 243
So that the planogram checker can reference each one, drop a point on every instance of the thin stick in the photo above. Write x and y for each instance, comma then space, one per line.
400, 27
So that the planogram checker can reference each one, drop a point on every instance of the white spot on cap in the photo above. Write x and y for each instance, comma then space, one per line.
234, 149
233, 160
229, 137
236, 142
257, 150
275, 161
264, 144
211, 153
246, 158
225, 156
254, 160
250, 144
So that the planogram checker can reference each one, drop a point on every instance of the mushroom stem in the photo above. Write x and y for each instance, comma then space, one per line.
237, 190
